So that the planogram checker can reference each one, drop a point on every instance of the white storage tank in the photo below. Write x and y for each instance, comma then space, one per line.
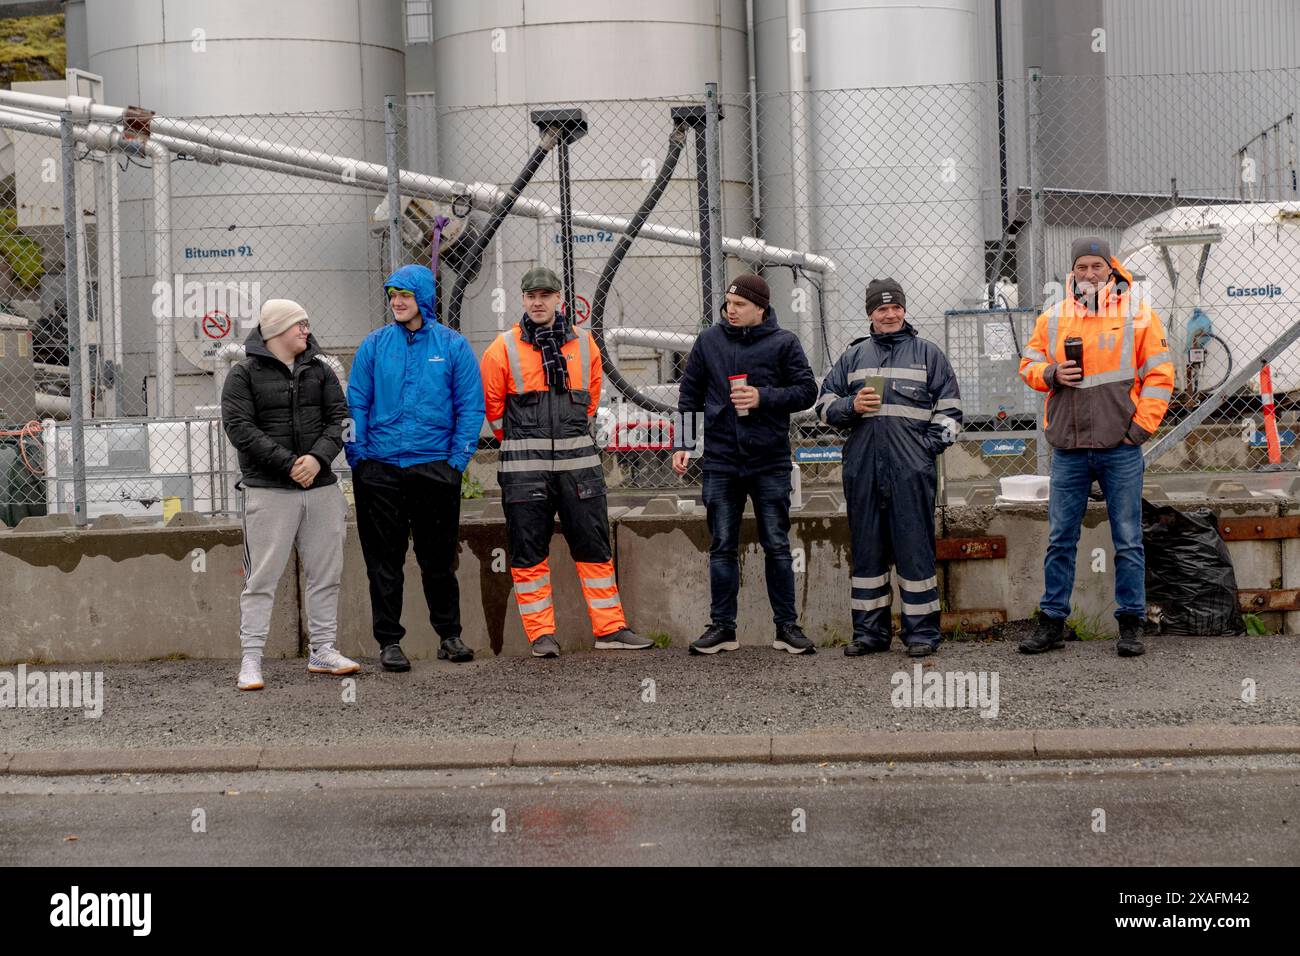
1250, 289
494, 60
325, 66
894, 166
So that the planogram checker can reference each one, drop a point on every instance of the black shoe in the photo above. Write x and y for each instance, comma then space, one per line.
392, 658
1049, 635
790, 638
919, 649
859, 648
454, 650
715, 639
546, 646
1130, 627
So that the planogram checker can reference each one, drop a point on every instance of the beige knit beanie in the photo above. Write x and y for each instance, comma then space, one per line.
279, 315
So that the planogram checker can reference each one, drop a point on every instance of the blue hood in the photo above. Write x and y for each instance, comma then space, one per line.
420, 280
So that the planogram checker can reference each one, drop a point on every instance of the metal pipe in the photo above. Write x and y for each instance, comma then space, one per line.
1037, 267
755, 203
71, 285
799, 165
566, 229
394, 194
713, 178
115, 272
483, 196
108, 139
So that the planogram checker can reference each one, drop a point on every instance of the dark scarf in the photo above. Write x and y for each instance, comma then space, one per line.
551, 341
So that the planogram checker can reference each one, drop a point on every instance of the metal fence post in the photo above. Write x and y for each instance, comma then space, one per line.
71, 287
1037, 237
712, 153
394, 193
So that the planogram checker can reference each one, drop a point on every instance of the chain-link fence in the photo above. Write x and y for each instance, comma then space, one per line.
969, 195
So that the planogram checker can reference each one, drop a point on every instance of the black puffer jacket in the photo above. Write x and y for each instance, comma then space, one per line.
273, 416
775, 364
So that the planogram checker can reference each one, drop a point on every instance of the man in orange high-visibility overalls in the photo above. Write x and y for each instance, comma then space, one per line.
541, 379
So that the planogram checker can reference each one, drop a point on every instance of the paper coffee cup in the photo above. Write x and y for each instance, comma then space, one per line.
739, 381
877, 384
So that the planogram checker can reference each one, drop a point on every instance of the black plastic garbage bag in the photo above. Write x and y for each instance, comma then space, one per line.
1189, 573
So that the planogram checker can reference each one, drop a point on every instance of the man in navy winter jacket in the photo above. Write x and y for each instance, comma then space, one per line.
746, 453
416, 399
896, 395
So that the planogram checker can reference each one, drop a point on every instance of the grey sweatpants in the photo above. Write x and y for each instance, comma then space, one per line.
275, 520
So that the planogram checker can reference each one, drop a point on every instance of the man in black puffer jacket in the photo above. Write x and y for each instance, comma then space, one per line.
284, 411
747, 375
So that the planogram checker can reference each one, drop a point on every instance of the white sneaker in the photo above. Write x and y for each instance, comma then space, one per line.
250, 674
329, 661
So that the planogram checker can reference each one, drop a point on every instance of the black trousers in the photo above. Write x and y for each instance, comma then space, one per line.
398, 505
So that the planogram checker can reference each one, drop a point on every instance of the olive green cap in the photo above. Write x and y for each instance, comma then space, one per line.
539, 278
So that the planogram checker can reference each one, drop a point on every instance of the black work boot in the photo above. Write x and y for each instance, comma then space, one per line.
1130, 632
454, 650
1049, 636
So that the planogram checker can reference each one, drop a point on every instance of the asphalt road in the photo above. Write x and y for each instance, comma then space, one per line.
756, 690
1237, 812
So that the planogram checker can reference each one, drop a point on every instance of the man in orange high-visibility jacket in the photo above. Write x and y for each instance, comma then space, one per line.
541, 378
1096, 415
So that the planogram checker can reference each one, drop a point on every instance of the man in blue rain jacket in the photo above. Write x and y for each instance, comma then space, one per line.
416, 399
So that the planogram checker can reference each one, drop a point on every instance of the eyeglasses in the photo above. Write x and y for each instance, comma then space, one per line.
304, 325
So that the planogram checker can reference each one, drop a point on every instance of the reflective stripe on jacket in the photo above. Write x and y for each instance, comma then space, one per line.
542, 429
1128, 371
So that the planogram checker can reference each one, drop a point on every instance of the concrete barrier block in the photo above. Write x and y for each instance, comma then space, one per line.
132, 594
52, 522
187, 519
489, 616
662, 505
821, 503
664, 574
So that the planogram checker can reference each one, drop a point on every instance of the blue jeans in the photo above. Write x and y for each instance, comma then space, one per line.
724, 499
1119, 470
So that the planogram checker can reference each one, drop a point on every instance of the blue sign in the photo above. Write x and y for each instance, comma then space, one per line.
1285, 438
1002, 447
811, 455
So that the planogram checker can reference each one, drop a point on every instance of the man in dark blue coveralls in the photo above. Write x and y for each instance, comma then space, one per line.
897, 396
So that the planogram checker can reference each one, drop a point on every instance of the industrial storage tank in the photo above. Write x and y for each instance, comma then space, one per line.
285, 237
494, 61
893, 169
1249, 290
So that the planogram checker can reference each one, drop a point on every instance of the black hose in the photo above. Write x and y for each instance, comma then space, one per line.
675, 143
1226, 375
473, 258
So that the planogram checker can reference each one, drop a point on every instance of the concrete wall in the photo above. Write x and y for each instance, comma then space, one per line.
134, 593
130, 594
487, 603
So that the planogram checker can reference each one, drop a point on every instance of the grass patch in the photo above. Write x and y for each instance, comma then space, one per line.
1255, 625
1088, 627
661, 639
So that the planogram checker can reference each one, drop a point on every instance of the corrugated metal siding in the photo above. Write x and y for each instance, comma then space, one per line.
1056, 246
421, 134
1200, 36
